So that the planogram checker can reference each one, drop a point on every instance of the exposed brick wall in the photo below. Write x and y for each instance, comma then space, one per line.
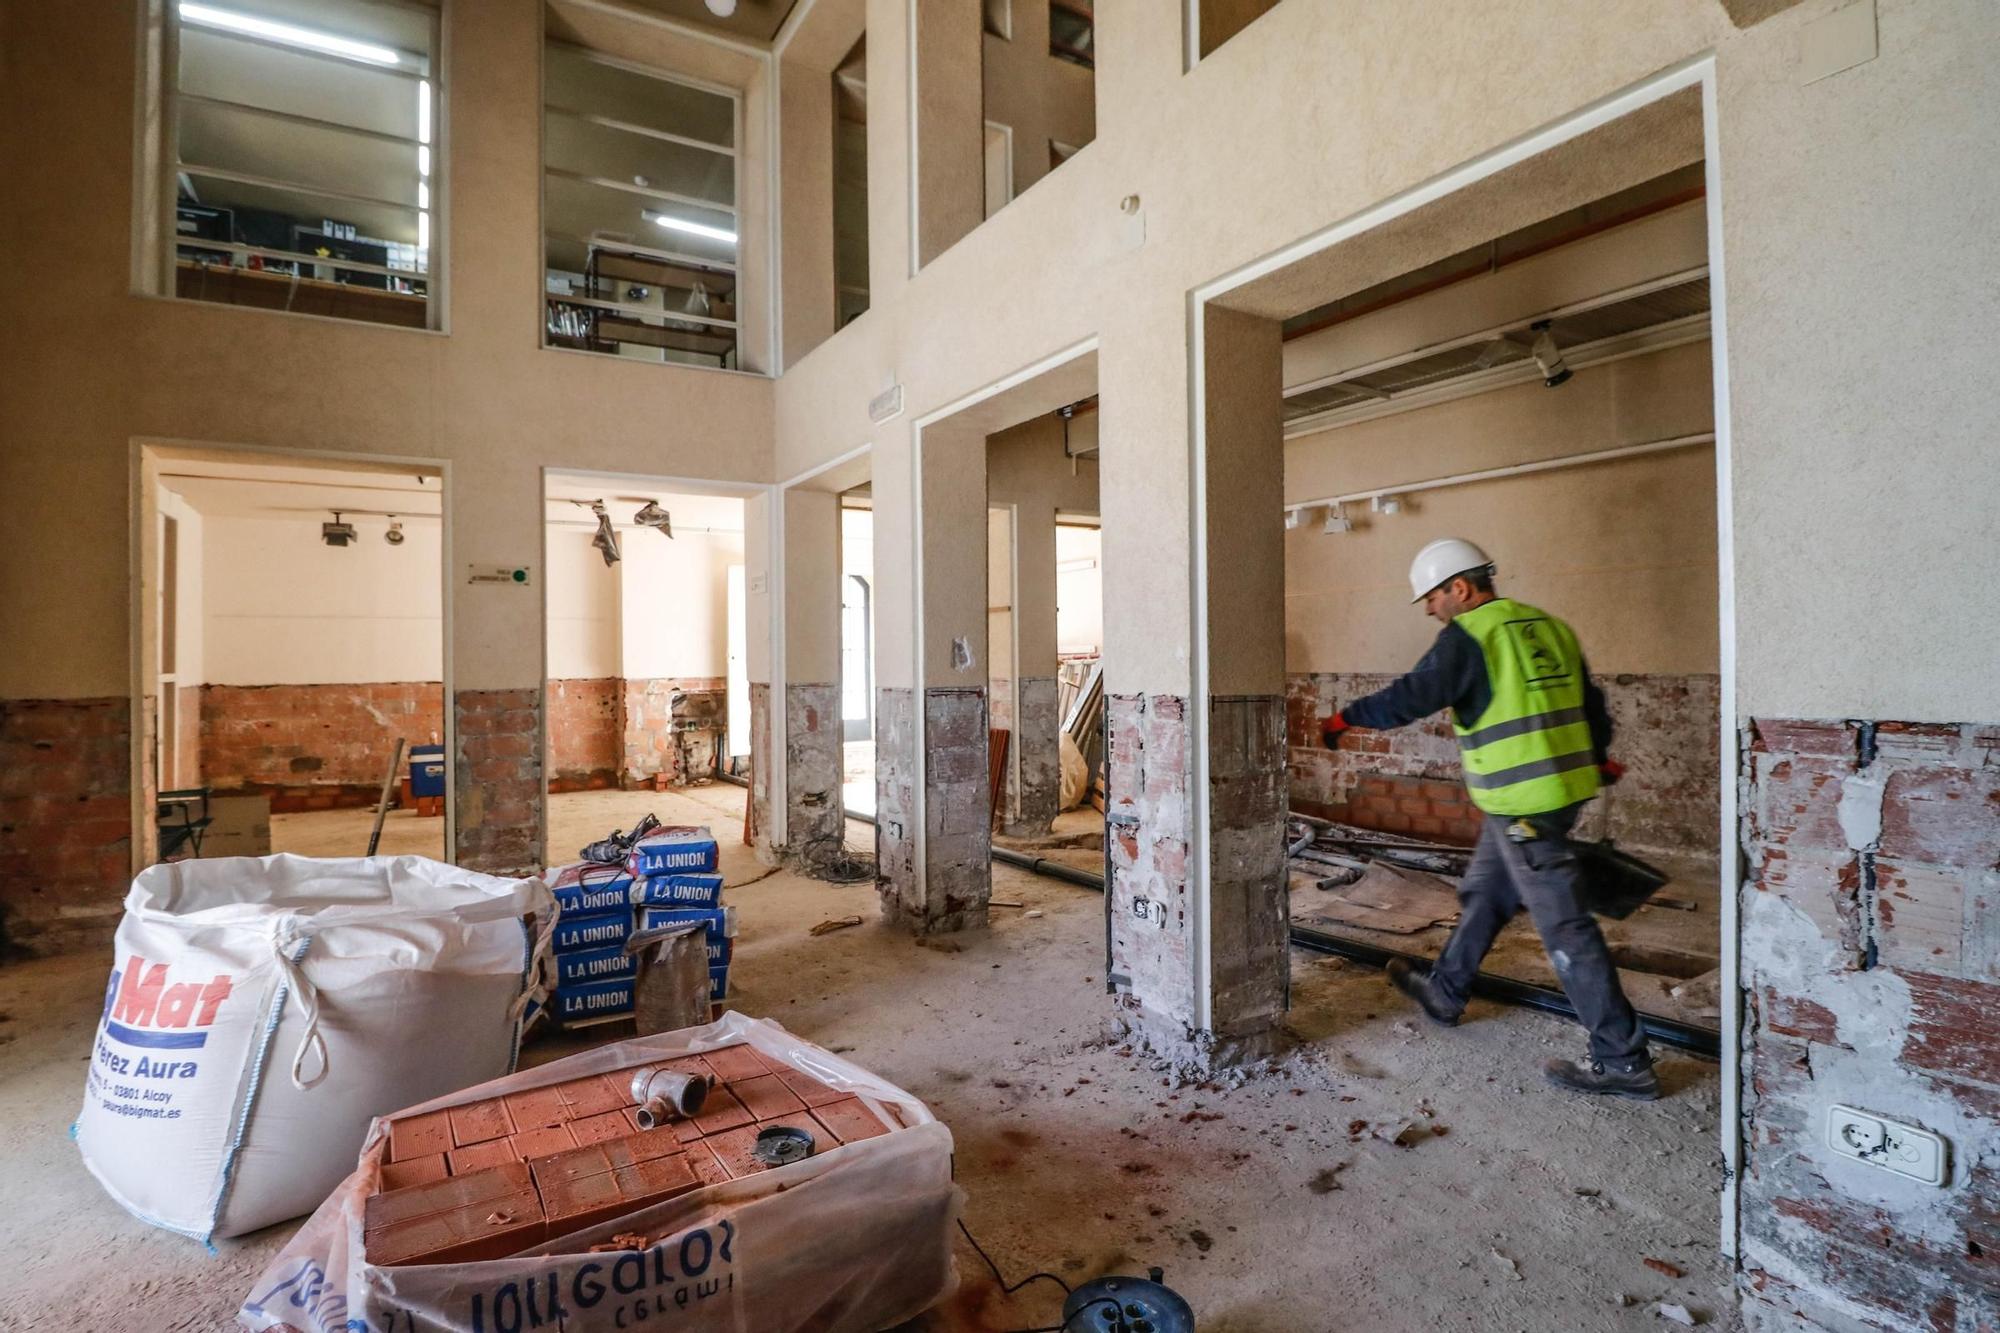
1871, 970
1035, 769
313, 747
1408, 780
813, 810
65, 819
896, 802
958, 810
665, 739
585, 733
498, 781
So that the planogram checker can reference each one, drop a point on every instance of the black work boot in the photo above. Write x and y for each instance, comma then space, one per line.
1417, 985
1630, 1078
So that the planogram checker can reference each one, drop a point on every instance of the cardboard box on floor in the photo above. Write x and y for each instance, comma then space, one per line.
856, 1237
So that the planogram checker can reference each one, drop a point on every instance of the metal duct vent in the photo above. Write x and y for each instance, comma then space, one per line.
1576, 333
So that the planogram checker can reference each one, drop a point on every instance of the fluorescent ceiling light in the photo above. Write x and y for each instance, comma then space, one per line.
290, 34
693, 228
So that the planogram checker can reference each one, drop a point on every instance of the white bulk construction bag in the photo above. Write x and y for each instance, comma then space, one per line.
263, 1010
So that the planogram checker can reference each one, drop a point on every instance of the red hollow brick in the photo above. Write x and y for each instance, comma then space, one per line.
476, 1122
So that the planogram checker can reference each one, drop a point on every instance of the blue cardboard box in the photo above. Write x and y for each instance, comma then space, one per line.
597, 999
675, 850
678, 891
587, 965
593, 932
718, 982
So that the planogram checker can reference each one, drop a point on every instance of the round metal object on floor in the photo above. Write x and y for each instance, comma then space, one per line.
1127, 1305
781, 1145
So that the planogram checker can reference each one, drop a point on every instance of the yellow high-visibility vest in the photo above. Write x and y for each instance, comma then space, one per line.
1530, 752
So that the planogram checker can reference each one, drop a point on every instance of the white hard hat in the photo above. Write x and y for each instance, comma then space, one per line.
1438, 562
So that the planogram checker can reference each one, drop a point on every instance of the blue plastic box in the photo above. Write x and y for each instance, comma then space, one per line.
671, 851
573, 969
426, 770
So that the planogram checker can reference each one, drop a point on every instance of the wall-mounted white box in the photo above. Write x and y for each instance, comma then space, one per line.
1903, 1149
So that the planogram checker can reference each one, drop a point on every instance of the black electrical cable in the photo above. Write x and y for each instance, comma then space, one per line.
1006, 1290
828, 857
1070, 1322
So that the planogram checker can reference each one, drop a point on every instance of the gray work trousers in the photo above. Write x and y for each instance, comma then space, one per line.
1542, 876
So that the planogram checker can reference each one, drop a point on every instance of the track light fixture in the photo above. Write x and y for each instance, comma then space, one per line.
652, 516
1548, 356
394, 536
336, 533
1337, 520
606, 540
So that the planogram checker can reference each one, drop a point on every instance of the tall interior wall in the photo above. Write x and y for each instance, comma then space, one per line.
89, 370
1624, 550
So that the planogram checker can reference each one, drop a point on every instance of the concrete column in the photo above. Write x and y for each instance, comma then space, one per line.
951, 129
812, 745
933, 793
1197, 781
494, 725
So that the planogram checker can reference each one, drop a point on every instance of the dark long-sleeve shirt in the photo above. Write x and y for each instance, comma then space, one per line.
1453, 675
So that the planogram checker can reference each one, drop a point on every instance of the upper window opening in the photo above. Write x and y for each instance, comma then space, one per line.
1220, 20
301, 157
997, 18
850, 185
639, 211
1073, 31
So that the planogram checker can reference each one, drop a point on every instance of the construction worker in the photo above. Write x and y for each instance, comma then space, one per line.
1532, 733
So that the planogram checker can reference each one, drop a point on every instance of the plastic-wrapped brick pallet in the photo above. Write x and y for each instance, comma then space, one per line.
850, 1239
263, 1011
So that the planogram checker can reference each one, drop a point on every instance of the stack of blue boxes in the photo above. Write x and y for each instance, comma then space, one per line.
669, 877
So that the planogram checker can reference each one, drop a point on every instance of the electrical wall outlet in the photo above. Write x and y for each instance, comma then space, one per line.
1903, 1149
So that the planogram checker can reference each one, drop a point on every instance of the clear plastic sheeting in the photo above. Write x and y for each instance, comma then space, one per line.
856, 1237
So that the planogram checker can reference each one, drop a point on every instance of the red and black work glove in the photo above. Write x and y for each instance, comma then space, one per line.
1610, 771
1329, 731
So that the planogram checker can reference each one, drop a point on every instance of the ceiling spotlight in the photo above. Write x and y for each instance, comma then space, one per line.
722, 9
1337, 520
652, 516
336, 533
1385, 504
394, 536
1296, 518
1548, 356
606, 541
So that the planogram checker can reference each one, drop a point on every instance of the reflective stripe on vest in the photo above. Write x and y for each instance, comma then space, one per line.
1530, 752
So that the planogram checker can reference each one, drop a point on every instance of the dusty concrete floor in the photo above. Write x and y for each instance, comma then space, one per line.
1533, 1211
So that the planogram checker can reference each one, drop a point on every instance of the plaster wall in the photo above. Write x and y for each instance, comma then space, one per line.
583, 607
1624, 550
1079, 591
76, 391
674, 603
1237, 135
1040, 97
1027, 471
283, 608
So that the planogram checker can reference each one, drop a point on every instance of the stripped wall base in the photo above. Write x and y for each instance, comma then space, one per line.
951, 890
1870, 947
497, 782
65, 820
313, 747
1034, 789
1667, 736
814, 817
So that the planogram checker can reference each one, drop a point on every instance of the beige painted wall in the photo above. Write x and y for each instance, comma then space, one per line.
78, 389
1227, 170
1026, 470
283, 608
583, 617
1038, 96
674, 603
1624, 550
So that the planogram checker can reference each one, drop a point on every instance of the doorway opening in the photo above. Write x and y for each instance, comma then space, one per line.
293, 672
645, 666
